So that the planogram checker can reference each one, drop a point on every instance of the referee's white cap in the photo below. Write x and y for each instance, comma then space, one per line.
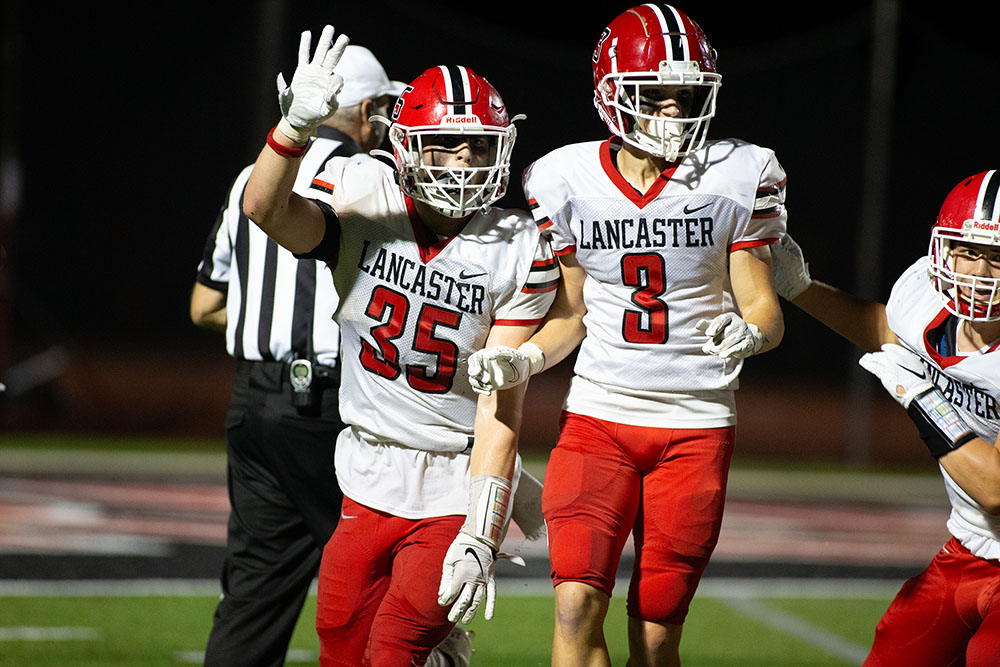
364, 77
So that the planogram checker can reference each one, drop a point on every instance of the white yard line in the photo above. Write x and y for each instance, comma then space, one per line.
798, 628
45, 634
109, 588
294, 656
805, 588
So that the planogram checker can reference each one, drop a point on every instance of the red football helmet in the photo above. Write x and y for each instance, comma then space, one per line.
970, 214
447, 106
647, 47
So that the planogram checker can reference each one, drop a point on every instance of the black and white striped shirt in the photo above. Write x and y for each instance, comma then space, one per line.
277, 307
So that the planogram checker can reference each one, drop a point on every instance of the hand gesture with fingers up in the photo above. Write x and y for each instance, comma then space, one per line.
312, 96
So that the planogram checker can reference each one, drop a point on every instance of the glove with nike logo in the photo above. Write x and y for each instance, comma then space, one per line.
901, 372
467, 578
903, 375
311, 98
729, 335
501, 367
789, 268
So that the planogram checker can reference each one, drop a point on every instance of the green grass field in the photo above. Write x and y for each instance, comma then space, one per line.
146, 631
758, 623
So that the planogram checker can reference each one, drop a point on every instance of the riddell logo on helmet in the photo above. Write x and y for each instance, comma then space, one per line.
459, 120
982, 226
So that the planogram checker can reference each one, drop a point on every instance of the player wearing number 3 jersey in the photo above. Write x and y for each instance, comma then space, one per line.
663, 238
427, 273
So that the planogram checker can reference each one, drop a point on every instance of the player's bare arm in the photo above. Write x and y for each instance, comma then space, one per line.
860, 321
498, 415
753, 289
467, 576
562, 330
975, 467
291, 220
208, 307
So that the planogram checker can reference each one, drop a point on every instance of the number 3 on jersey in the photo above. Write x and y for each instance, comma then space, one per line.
648, 325
392, 309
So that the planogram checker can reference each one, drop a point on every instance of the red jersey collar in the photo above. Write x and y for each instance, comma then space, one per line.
931, 348
427, 242
611, 169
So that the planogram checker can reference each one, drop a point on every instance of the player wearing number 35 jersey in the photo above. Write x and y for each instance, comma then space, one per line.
426, 273
412, 309
663, 238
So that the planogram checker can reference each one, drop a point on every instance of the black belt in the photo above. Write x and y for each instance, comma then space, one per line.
277, 372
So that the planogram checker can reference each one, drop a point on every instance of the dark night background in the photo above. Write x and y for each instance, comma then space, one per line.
128, 126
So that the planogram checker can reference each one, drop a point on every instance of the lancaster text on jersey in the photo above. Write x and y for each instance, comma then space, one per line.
642, 233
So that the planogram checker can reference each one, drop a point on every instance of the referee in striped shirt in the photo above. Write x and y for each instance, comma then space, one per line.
276, 312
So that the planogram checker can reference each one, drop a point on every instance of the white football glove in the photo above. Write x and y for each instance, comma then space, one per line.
789, 268
502, 367
901, 372
729, 335
526, 506
312, 96
467, 579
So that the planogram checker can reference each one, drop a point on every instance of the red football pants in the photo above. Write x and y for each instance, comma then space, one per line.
666, 486
378, 586
946, 616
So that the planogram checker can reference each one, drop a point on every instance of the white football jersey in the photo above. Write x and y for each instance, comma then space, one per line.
656, 263
412, 309
970, 382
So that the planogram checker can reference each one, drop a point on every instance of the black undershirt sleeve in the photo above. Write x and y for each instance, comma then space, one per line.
328, 249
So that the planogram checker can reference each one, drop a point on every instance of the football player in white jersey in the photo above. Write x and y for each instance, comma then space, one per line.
934, 346
427, 272
663, 238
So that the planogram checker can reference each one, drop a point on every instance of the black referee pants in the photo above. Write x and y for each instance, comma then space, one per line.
285, 503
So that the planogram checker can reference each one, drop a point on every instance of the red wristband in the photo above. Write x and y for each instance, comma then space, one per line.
285, 151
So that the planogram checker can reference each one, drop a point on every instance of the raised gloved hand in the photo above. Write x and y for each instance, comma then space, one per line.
901, 372
904, 376
502, 367
729, 335
312, 96
789, 268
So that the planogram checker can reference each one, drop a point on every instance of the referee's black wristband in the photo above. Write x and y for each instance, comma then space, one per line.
938, 423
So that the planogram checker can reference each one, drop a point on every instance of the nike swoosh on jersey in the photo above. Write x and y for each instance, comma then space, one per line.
688, 210
465, 276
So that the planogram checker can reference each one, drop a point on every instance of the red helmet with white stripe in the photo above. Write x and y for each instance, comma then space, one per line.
448, 106
970, 214
652, 46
